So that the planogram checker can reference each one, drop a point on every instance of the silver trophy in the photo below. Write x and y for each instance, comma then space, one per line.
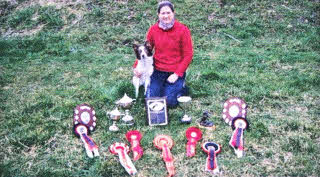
114, 115
185, 102
126, 102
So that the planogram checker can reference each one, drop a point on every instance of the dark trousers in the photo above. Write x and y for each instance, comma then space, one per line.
160, 87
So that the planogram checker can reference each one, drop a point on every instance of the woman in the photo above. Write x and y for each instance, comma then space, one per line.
172, 43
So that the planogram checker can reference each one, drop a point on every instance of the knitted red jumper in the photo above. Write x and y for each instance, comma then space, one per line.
173, 48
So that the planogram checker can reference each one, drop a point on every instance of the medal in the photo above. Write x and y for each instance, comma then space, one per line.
134, 138
91, 148
232, 108
122, 151
193, 135
239, 124
212, 149
165, 143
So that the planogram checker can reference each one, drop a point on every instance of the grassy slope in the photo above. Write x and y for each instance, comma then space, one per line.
65, 54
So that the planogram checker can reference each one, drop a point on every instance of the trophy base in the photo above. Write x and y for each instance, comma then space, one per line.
207, 124
113, 128
186, 119
126, 122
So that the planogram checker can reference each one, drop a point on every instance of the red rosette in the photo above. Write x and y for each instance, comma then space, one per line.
163, 140
232, 108
165, 143
122, 151
240, 122
205, 147
85, 114
193, 135
134, 137
116, 147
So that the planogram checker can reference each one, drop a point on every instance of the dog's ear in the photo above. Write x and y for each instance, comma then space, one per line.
135, 46
148, 45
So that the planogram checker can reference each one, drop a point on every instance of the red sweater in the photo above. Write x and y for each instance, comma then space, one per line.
173, 48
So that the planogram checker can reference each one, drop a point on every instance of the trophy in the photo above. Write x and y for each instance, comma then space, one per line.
157, 113
205, 122
85, 114
114, 115
232, 108
185, 102
126, 102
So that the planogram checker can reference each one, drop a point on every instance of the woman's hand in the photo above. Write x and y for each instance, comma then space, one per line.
173, 78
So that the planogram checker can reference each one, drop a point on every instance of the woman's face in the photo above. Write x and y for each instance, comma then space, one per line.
166, 15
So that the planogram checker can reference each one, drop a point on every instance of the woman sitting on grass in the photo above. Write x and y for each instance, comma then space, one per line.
172, 43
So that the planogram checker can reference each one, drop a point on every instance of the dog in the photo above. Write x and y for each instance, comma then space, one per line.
145, 66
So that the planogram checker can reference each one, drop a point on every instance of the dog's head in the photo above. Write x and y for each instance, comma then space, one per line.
143, 51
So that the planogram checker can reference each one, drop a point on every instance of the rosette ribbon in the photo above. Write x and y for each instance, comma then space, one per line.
193, 135
212, 149
90, 146
122, 151
239, 124
165, 143
134, 137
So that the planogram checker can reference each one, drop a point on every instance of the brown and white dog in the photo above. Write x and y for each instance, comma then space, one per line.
144, 67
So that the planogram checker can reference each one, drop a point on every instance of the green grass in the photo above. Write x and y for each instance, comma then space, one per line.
55, 56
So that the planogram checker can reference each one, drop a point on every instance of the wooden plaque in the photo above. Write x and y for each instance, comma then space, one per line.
157, 113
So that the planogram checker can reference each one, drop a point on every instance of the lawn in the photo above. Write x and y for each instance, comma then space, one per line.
55, 55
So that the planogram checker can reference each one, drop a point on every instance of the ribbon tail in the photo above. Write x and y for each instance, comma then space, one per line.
191, 149
126, 162
90, 146
211, 164
237, 142
168, 158
137, 151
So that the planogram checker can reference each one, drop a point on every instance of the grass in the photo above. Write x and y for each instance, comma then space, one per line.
54, 56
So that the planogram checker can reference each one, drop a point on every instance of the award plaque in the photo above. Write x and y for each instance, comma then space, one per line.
232, 108
157, 113
85, 114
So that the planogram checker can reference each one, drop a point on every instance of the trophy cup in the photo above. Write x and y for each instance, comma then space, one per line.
185, 102
126, 102
114, 116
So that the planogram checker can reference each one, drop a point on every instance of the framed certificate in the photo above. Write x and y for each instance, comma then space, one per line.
157, 113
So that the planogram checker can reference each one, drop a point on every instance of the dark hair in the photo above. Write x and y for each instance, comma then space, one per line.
165, 3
